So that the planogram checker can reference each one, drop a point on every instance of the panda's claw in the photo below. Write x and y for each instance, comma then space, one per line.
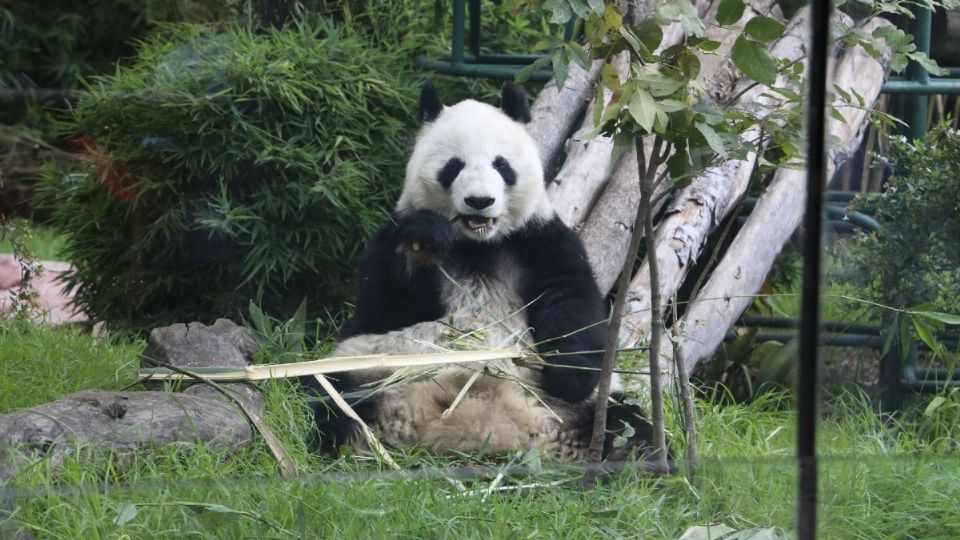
425, 230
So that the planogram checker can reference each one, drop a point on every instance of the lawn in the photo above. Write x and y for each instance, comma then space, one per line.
43, 241
876, 481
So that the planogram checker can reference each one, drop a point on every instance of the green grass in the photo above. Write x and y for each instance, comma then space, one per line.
876, 481
44, 242
39, 364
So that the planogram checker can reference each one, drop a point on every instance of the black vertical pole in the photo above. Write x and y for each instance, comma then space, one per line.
474, 37
810, 305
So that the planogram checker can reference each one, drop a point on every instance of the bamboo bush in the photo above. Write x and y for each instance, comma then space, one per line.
225, 167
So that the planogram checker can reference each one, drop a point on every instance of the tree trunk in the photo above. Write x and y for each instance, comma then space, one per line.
103, 421
606, 232
557, 112
587, 166
745, 264
702, 205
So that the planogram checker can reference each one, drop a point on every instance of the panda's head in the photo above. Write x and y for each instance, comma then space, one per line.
477, 165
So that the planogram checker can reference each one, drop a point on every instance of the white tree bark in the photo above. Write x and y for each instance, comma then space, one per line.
606, 231
587, 166
745, 264
557, 112
703, 204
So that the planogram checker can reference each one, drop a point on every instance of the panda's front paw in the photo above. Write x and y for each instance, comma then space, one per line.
425, 236
569, 384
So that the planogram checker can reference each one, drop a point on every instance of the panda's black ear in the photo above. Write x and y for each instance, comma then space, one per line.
514, 102
430, 106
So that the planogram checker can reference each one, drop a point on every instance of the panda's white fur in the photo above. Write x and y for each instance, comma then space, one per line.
504, 408
477, 133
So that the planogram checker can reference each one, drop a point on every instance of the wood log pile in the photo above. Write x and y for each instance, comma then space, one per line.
602, 206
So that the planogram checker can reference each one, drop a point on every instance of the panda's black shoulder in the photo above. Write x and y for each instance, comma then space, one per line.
548, 247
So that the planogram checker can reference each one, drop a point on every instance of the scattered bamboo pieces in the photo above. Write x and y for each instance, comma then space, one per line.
364, 428
331, 365
288, 467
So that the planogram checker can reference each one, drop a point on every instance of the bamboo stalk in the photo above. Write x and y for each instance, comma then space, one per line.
364, 428
338, 364
288, 467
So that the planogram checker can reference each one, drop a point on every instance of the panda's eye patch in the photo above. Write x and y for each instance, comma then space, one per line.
506, 171
449, 172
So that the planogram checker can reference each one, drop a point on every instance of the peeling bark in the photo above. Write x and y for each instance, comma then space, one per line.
745, 264
701, 206
605, 233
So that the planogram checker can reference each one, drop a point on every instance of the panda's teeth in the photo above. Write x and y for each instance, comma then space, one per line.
480, 224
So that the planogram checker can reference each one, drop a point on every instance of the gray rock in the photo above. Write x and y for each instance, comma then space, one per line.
222, 344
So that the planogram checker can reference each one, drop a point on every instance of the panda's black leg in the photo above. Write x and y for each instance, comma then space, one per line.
622, 419
335, 429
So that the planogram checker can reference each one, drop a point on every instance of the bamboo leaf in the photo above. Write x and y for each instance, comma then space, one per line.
923, 331
945, 318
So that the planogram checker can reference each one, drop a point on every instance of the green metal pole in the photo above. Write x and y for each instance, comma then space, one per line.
459, 14
918, 103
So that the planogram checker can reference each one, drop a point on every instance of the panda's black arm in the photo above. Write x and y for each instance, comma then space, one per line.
391, 292
566, 310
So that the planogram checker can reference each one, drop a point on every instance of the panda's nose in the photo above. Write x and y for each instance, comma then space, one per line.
478, 203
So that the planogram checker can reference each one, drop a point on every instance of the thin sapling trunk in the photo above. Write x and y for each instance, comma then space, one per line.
610, 354
656, 393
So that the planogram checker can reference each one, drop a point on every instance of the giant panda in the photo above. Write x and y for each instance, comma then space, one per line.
474, 255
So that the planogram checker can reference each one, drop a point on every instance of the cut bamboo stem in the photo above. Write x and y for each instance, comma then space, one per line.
338, 364
364, 428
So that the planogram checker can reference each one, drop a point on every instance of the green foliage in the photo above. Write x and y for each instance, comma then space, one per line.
56, 46
43, 241
24, 301
41, 363
915, 257
229, 167
662, 97
911, 266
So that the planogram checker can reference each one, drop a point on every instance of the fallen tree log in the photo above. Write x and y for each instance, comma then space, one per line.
606, 232
556, 112
701, 206
738, 276
103, 422
587, 167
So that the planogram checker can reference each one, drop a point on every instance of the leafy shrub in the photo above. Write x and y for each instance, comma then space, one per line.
915, 258
55, 46
229, 167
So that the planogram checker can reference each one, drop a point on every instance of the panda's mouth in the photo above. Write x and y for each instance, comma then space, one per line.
479, 224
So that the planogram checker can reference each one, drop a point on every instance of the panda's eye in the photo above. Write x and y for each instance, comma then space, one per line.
449, 172
506, 171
